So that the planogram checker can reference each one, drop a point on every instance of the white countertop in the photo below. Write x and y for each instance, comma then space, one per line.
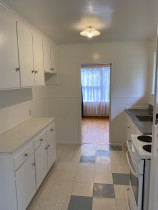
17, 136
139, 147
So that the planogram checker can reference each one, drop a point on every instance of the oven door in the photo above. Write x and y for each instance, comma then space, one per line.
135, 185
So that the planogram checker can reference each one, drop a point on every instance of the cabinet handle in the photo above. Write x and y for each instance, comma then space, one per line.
46, 148
41, 139
36, 72
49, 145
52, 69
33, 71
26, 155
17, 69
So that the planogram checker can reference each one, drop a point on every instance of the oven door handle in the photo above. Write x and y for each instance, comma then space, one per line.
132, 170
131, 153
127, 200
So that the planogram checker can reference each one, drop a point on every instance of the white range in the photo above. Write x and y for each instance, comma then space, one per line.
139, 163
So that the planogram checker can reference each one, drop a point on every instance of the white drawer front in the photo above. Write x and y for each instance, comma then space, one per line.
23, 154
39, 139
51, 129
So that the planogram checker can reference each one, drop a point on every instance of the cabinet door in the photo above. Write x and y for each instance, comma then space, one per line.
25, 183
138, 132
41, 163
51, 143
132, 127
25, 55
8, 53
47, 55
38, 59
128, 128
53, 54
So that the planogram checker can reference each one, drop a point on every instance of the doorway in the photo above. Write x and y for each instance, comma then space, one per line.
95, 103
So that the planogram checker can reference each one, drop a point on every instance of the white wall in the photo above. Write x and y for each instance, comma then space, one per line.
16, 104
128, 85
152, 51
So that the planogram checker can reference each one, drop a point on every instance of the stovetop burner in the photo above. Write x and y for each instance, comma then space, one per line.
145, 138
147, 148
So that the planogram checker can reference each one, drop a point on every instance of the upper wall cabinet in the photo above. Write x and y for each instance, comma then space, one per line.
53, 58
9, 66
25, 55
48, 56
38, 59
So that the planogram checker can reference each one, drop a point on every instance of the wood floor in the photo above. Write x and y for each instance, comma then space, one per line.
95, 130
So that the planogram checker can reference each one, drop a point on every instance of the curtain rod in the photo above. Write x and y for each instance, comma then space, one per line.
96, 65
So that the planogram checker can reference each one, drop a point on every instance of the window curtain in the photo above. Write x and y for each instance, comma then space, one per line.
95, 82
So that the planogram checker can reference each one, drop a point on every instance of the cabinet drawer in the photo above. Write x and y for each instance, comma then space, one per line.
51, 129
39, 139
21, 156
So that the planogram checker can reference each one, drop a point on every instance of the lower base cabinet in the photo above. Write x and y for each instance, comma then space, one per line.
22, 172
51, 150
25, 183
41, 163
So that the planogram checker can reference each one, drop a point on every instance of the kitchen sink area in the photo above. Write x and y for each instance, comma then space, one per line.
143, 118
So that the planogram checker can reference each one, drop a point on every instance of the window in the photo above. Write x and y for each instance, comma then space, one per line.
95, 83
154, 71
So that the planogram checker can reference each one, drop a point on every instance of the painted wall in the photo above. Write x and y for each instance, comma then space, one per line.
15, 106
128, 85
152, 53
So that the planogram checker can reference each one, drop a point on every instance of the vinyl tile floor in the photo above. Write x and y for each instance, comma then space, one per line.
84, 177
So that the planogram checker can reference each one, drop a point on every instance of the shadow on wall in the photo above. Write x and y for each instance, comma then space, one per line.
118, 118
10, 98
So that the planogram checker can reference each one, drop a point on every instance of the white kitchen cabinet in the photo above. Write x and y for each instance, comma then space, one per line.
51, 144
53, 58
41, 163
131, 128
25, 55
138, 132
47, 55
25, 183
24, 166
9, 65
38, 60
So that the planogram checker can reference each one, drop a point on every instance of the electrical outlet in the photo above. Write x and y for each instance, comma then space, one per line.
30, 113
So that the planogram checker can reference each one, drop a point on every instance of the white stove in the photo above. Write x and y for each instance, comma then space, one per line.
138, 145
139, 163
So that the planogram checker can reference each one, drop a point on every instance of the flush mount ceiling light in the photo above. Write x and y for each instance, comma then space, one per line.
90, 32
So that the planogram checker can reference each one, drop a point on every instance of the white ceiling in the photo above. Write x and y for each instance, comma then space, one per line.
117, 20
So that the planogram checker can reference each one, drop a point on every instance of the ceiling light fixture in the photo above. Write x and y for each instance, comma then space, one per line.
90, 32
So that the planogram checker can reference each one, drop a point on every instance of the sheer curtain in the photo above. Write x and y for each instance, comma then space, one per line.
95, 82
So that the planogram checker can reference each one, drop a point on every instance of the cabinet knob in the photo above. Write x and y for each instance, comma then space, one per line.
33, 164
46, 148
36, 72
17, 69
52, 69
33, 71
26, 155
41, 139
51, 129
48, 145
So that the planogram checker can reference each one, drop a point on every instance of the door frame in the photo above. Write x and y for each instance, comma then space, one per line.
80, 114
